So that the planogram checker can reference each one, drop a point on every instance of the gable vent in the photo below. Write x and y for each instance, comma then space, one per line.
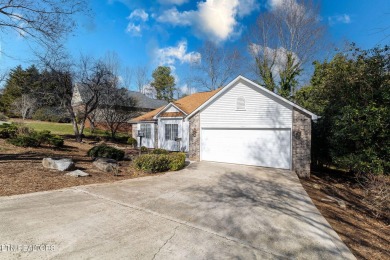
240, 103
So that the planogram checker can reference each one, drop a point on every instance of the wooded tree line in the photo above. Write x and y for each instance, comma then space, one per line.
351, 93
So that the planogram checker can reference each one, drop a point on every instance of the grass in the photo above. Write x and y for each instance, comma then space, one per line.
58, 128
54, 128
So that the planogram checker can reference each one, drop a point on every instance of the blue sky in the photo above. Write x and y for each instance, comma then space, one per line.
169, 32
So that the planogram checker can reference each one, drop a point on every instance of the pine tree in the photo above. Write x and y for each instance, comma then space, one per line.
164, 83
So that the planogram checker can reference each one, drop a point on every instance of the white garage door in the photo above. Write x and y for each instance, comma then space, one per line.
260, 147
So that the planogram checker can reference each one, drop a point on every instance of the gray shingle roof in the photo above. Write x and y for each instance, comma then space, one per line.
143, 101
146, 102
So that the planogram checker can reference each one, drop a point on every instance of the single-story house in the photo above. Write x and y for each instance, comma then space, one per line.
144, 104
241, 123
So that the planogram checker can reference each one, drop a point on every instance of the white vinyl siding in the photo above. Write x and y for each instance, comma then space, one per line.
166, 139
148, 139
261, 110
172, 109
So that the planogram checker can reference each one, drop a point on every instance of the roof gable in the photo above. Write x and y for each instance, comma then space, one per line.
255, 85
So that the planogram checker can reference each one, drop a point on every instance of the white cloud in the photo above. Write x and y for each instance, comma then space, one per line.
169, 55
139, 14
176, 18
342, 18
172, 2
134, 30
277, 56
215, 20
246, 7
187, 90
137, 18
276, 3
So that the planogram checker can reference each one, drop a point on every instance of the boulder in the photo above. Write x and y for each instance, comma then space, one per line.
77, 173
105, 164
60, 164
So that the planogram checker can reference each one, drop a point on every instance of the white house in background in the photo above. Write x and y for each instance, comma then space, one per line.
241, 123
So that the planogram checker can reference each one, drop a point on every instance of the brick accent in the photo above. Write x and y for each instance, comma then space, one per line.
194, 149
301, 144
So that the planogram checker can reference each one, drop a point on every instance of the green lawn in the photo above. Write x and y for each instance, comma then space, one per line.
57, 128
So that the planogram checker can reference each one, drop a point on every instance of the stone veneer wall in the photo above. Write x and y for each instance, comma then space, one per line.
194, 147
301, 144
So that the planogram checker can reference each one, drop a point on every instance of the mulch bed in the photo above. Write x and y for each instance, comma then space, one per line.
21, 169
367, 236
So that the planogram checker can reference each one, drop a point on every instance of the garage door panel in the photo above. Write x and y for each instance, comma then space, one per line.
260, 147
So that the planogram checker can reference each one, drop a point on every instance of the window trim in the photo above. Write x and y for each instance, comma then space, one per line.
147, 130
241, 99
170, 135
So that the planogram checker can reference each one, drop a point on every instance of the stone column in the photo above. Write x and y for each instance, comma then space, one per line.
301, 144
194, 144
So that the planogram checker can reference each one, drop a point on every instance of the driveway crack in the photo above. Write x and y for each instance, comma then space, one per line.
166, 242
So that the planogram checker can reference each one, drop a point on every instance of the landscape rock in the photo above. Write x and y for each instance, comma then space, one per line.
77, 173
105, 164
60, 164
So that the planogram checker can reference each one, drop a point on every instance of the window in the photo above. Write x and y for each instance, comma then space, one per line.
171, 131
240, 103
147, 130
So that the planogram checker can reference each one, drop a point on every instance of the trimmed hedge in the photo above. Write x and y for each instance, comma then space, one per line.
177, 161
159, 151
144, 149
106, 152
153, 163
132, 141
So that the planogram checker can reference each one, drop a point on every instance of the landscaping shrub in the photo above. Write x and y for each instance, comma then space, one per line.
152, 162
25, 137
177, 161
3, 117
144, 149
160, 162
159, 151
106, 152
132, 141
122, 139
51, 114
25, 141
56, 141
8, 130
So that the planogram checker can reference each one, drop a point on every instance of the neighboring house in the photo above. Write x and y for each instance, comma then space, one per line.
242, 123
144, 105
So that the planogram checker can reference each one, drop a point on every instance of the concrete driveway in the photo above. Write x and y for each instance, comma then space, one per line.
207, 211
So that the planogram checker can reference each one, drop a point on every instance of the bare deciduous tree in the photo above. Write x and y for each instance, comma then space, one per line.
127, 77
92, 78
217, 65
46, 21
95, 76
116, 108
141, 78
282, 41
24, 105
